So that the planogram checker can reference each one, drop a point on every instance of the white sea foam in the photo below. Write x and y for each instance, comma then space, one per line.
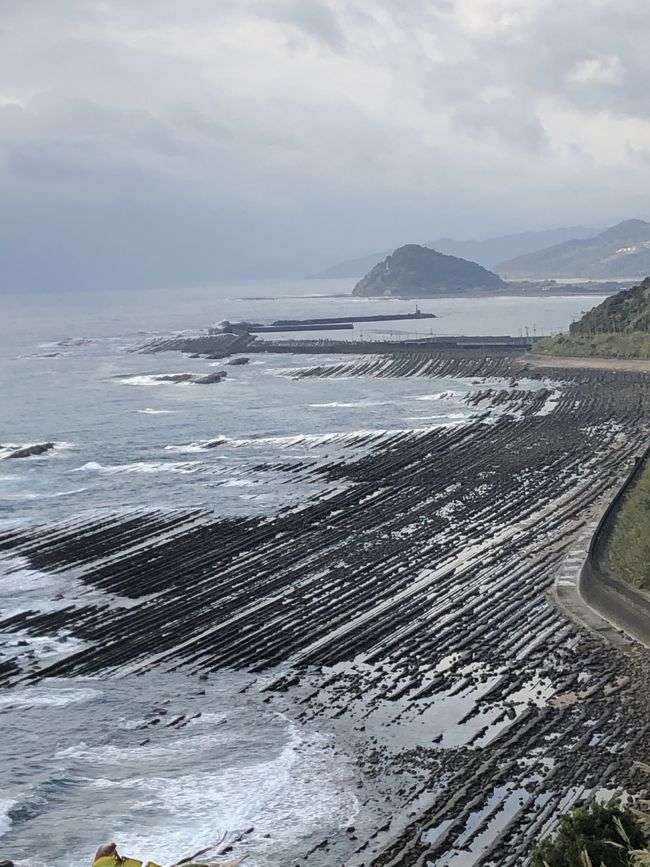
5, 822
22, 643
146, 467
443, 395
16, 576
284, 799
45, 696
342, 438
25, 589
150, 411
148, 379
30, 495
352, 405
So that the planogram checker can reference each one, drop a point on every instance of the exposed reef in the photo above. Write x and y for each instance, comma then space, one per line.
407, 607
213, 345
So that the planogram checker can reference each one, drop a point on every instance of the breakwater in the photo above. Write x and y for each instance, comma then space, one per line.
337, 320
219, 344
405, 607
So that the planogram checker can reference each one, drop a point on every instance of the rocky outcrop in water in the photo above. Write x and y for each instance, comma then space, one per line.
195, 378
29, 451
414, 271
211, 345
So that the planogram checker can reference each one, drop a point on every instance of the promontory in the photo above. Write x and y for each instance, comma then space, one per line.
414, 271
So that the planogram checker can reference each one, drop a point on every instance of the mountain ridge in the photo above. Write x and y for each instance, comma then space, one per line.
621, 251
486, 252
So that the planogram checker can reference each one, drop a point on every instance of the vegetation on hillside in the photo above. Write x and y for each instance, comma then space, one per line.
414, 271
629, 551
624, 312
597, 835
622, 251
596, 346
617, 328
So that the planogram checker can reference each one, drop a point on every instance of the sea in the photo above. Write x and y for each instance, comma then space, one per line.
80, 764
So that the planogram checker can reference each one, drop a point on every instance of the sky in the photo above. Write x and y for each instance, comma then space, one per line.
153, 142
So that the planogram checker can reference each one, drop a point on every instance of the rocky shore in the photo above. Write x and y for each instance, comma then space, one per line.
406, 611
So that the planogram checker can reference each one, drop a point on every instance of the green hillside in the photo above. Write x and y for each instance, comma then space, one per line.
617, 328
623, 251
414, 271
627, 311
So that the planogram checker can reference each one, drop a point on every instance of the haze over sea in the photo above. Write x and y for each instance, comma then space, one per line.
127, 441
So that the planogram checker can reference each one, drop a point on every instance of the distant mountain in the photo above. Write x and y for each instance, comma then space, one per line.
622, 251
488, 253
355, 267
627, 311
414, 271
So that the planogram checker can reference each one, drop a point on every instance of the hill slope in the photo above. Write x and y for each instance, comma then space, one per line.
486, 253
627, 311
621, 251
415, 271
493, 250
617, 328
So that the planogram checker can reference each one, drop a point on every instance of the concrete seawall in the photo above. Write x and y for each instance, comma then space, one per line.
615, 600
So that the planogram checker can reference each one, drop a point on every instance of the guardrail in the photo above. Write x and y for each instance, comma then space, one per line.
615, 600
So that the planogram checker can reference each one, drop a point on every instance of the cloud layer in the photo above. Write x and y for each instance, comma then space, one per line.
155, 142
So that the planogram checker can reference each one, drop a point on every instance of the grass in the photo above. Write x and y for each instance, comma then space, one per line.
634, 344
629, 552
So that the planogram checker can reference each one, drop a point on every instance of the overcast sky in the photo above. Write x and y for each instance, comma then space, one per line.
147, 142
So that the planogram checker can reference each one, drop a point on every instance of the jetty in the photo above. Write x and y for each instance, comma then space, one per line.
325, 323
336, 320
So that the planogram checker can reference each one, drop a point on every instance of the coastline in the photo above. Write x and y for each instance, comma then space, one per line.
404, 610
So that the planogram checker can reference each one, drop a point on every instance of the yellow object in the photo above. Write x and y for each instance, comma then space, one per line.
117, 861
107, 861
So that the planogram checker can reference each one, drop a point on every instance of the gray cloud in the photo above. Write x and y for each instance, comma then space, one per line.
175, 142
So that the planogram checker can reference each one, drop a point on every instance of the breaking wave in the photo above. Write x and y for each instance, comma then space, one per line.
149, 411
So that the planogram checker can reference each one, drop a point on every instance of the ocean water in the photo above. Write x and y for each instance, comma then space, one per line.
115, 765
81, 760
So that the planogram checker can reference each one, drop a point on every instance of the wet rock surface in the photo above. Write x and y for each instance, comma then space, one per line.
29, 451
196, 378
406, 610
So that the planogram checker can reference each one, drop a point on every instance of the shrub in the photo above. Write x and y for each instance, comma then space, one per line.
595, 830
